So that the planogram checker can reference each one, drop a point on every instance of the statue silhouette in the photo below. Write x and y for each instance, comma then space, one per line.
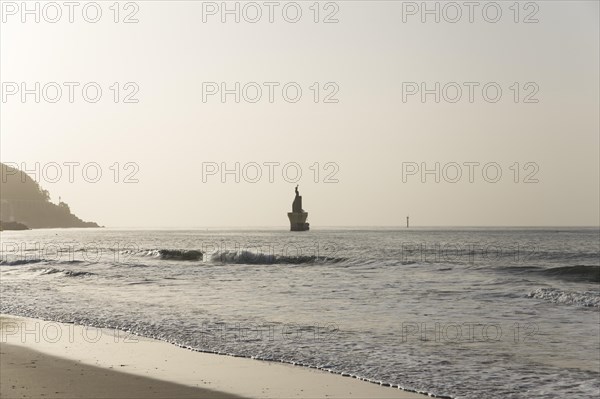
297, 216
297, 204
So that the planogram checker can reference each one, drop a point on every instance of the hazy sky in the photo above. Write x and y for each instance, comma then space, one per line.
377, 53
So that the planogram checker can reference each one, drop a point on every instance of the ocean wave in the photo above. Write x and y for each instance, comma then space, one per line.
20, 262
259, 258
172, 254
555, 295
180, 254
577, 273
67, 273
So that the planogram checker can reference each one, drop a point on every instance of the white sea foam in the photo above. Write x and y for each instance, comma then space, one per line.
555, 295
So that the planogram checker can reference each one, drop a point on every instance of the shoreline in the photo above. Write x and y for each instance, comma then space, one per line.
155, 367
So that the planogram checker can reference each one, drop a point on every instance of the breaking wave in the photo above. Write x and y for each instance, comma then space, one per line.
579, 298
174, 254
259, 258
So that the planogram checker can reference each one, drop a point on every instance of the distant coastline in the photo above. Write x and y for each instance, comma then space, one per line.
25, 205
12, 226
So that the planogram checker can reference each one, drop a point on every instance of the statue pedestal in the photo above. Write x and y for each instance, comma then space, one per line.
298, 221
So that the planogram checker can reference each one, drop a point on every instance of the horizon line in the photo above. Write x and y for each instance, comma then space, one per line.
324, 227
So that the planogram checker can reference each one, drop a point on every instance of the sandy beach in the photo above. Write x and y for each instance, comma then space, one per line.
48, 359
30, 374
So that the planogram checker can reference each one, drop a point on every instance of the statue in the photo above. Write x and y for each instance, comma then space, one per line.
297, 204
297, 216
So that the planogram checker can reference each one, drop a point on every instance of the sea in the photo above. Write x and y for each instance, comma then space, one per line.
451, 312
